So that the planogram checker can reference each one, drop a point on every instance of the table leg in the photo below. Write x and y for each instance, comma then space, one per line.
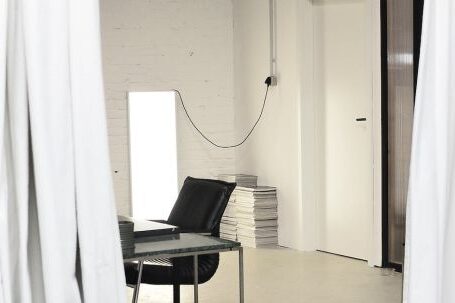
241, 277
196, 269
140, 266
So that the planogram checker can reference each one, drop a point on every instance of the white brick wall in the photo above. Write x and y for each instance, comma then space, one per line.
164, 44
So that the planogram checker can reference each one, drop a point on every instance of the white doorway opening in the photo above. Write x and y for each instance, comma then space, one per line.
153, 153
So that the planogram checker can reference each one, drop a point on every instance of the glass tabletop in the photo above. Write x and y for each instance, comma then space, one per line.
186, 243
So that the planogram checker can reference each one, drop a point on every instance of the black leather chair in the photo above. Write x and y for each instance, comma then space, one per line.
199, 208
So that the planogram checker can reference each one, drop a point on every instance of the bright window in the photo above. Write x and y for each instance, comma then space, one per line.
153, 153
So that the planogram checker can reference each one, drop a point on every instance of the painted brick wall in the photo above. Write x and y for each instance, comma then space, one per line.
153, 45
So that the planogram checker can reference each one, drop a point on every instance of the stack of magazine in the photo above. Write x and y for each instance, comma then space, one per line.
251, 216
240, 179
257, 216
228, 226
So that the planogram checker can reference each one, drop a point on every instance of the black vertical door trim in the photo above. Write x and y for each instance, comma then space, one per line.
418, 15
384, 136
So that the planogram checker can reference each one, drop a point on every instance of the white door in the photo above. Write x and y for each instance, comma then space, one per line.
343, 90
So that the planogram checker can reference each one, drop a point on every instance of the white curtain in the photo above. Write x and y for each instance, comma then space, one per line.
59, 240
430, 237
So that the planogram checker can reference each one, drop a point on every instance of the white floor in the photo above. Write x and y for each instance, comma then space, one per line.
284, 275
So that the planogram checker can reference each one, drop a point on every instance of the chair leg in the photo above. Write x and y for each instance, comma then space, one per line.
176, 293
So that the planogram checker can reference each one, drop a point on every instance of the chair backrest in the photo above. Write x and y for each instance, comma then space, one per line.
201, 204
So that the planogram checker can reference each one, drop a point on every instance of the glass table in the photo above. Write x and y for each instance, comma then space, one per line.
182, 245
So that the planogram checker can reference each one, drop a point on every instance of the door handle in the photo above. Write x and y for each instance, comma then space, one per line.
360, 119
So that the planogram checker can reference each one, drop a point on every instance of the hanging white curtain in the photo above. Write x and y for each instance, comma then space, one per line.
430, 237
59, 240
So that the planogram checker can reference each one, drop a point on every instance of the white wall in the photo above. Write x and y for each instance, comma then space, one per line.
273, 153
283, 151
160, 44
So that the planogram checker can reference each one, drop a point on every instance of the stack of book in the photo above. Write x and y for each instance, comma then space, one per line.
228, 226
126, 228
257, 215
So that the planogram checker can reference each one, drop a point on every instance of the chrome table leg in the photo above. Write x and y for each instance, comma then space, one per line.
196, 269
140, 266
241, 277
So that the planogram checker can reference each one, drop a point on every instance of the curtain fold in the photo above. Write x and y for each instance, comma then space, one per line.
57, 211
429, 271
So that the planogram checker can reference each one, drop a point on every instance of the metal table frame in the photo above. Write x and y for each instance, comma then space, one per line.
195, 254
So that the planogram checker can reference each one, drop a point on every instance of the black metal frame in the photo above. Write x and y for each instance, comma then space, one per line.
418, 18
384, 136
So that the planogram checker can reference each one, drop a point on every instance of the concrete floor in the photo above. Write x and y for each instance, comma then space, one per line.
284, 275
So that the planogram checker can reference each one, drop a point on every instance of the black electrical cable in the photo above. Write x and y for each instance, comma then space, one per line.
226, 146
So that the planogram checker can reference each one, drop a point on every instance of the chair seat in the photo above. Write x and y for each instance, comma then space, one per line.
160, 262
181, 271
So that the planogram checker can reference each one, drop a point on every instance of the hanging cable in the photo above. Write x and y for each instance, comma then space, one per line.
267, 81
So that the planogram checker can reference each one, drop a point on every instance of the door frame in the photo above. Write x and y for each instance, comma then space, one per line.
310, 189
